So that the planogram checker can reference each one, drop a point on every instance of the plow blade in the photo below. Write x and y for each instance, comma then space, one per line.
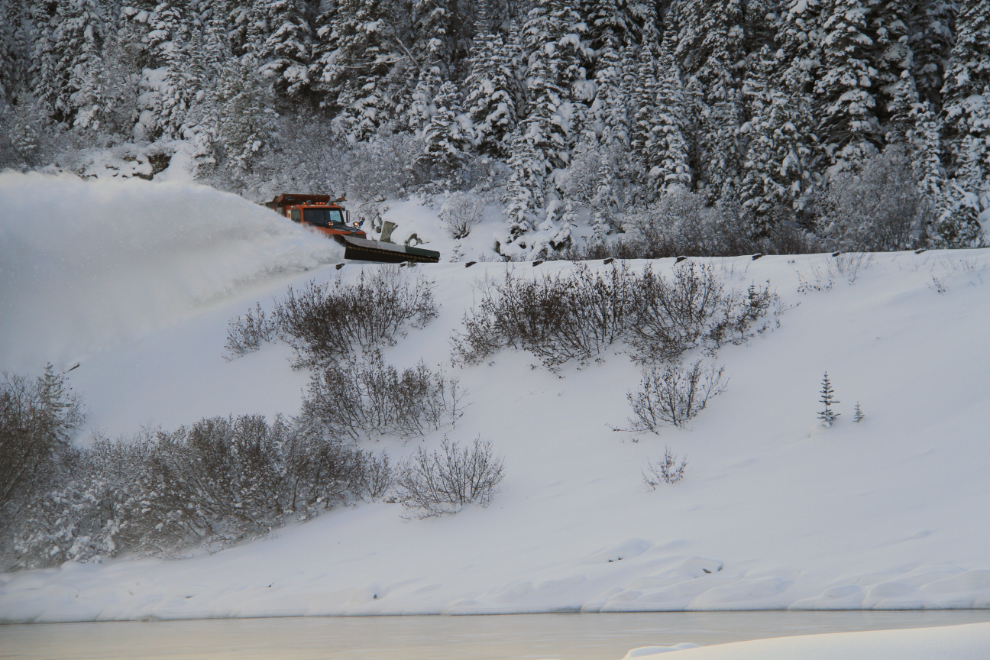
367, 250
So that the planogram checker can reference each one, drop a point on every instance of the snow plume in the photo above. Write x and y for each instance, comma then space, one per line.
87, 264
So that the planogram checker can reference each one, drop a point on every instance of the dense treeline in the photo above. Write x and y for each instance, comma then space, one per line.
591, 112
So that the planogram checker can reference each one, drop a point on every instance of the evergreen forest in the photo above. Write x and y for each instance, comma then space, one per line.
781, 125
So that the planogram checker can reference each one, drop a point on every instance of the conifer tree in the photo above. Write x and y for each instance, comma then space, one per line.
931, 37
847, 90
13, 60
354, 75
759, 193
444, 140
490, 103
968, 75
67, 50
827, 415
644, 91
246, 119
666, 150
285, 54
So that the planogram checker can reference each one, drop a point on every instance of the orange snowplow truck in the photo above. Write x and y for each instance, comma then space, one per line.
327, 216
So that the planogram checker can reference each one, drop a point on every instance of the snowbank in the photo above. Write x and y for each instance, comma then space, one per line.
775, 511
86, 265
970, 642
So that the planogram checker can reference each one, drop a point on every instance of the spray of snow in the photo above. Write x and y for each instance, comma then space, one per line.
85, 265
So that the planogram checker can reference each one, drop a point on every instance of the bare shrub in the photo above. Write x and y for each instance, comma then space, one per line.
368, 398
576, 316
218, 482
557, 318
691, 309
666, 470
37, 419
381, 167
880, 209
682, 223
673, 395
442, 482
247, 334
327, 322
460, 213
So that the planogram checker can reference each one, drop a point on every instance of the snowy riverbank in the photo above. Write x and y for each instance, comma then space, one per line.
775, 511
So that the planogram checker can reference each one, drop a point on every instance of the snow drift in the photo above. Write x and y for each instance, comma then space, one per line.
84, 265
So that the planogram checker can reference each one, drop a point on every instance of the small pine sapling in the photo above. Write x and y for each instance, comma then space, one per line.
828, 398
858, 414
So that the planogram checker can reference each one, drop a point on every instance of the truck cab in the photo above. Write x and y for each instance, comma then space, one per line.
320, 212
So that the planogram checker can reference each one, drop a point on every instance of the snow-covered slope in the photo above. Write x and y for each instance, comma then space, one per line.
775, 511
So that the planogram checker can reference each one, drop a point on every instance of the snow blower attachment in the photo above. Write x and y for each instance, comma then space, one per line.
329, 217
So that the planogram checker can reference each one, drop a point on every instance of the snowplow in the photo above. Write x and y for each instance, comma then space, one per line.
328, 216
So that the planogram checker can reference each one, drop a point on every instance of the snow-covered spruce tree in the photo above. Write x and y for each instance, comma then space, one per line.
421, 106
246, 117
666, 151
927, 142
644, 91
432, 30
68, 48
247, 25
609, 35
489, 99
444, 140
169, 84
709, 45
931, 35
964, 198
966, 130
759, 193
846, 92
605, 204
285, 54
524, 192
895, 69
14, 25
540, 142
26, 129
353, 75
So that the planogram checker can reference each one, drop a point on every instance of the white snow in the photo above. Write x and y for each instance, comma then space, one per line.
969, 642
136, 283
88, 265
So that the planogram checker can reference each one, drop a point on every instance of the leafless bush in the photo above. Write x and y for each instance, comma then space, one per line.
247, 334
381, 167
880, 209
682, 223
576, 316
37, 419
664, 471
557, 318
691, 309
437, 483
218, 482
673, 395
327, 322
368, 398
460, 213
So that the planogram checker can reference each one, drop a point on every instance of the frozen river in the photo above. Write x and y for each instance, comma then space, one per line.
505, 637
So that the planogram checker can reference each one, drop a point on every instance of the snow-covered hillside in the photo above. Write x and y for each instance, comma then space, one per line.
775, 510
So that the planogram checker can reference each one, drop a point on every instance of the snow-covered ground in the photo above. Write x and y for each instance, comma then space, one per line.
948, 643
136, 283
